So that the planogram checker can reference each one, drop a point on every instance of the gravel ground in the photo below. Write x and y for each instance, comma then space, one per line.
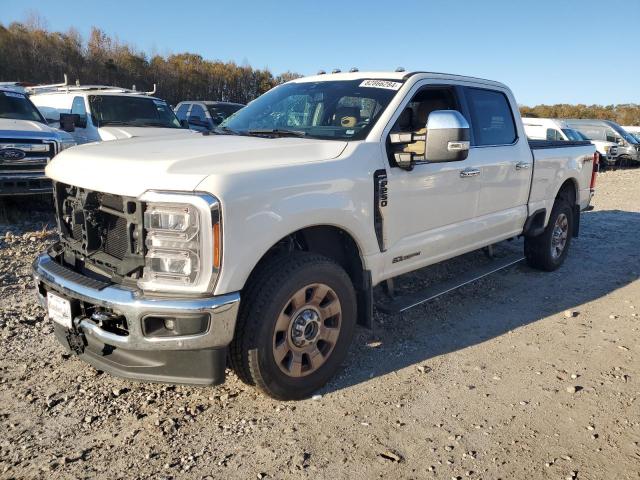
521, 375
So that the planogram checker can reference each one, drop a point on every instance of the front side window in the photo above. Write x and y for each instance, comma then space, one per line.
137, 111
415, 115
491, 117
328, 110
16, 106
220, 112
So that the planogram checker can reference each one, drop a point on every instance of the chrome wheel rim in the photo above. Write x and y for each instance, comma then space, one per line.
307, 330
559, 236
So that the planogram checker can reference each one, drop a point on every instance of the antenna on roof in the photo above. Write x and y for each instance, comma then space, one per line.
152, 91
321, 72
353, 70
400, 69
336, 70
77, 82
133, 87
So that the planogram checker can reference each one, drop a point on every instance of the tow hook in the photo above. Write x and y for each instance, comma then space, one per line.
76, 339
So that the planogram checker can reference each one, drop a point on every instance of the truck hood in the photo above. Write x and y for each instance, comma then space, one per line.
120, 133
28, 129
180, 162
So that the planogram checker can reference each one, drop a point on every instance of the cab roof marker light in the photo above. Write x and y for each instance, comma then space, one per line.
336, 70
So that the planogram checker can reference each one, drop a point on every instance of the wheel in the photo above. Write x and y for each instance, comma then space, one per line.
548, 250
295, 325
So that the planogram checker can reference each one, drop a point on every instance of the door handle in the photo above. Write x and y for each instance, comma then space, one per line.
469, 172
522, 166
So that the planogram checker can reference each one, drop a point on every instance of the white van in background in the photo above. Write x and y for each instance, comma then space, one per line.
557, 129
94, 113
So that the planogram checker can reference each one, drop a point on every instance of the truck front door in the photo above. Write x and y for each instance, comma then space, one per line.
430, 210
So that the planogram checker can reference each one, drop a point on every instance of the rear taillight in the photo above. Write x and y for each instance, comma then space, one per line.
594, 172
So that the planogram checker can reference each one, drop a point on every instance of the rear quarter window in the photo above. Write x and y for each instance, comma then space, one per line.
181, 112
491, 117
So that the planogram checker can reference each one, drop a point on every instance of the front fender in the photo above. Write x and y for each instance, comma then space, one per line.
261, 208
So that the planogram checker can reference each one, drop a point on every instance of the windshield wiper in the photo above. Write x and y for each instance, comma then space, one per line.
277, 131
226, 131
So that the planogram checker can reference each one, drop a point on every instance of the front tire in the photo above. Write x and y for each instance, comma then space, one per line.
295, 325
548, 250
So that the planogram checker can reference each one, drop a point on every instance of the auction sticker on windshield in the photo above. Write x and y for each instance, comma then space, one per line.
59, 309
388, 84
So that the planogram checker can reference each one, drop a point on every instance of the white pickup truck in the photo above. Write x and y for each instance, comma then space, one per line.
262, 243
97, 113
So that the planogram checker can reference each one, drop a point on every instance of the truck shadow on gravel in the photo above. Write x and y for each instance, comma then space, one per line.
604, 258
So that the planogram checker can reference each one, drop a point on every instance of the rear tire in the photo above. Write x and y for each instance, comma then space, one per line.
295, 325
548, 250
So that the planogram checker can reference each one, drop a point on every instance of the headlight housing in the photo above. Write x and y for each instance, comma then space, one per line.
64, 144
183, 242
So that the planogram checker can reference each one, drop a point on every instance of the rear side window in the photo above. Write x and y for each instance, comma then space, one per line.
554, 135
491, 117
198, 111
181, 112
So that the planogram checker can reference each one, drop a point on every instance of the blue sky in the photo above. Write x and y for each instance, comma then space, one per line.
547, 51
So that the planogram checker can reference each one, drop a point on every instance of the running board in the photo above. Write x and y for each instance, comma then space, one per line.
406, 302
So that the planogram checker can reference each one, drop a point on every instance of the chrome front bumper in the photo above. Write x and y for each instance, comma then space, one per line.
51, 276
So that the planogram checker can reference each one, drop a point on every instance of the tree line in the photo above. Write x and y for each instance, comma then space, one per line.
31, 53
624, 114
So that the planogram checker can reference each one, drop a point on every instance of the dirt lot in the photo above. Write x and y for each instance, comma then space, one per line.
521, 375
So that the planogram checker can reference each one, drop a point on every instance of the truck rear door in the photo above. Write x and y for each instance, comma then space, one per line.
500, 147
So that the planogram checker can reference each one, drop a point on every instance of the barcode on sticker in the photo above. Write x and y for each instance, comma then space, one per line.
388, 84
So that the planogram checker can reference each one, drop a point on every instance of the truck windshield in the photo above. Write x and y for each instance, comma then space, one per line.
581, 136
16, 106
328, 110
627, 136
136, 111
220, 112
